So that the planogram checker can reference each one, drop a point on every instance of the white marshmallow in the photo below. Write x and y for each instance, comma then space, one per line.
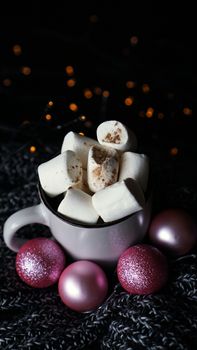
118, 200
78, 206
135, 166
102, 167
79, 144
115, 134
59, 173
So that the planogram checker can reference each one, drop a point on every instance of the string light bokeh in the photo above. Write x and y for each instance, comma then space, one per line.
158, 112
70, 68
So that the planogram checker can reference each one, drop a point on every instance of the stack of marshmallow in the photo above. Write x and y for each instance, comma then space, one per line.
103, 178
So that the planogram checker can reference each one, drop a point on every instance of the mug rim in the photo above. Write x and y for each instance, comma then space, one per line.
73, 222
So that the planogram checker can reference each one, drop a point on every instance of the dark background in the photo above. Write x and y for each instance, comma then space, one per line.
99, 49
96, 42
107, 46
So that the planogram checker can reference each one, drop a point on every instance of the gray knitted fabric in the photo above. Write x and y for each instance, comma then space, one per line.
37, 319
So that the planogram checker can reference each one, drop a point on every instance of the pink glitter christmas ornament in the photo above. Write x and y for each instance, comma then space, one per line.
83, 286
142, 269
39, 262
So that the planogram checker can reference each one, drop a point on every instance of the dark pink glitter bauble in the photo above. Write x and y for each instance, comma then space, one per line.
83, 286
142, 269
39, 262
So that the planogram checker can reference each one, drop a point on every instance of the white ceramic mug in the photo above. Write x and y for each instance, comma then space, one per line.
101, 243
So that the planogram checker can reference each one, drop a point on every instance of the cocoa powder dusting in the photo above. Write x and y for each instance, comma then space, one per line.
99, 155
97, 171
113, 137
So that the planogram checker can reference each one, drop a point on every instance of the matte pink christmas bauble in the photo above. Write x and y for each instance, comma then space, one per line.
83, 286
39, 262
142, 269
173, 231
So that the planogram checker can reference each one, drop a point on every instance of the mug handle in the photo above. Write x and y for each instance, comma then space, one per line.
34, 214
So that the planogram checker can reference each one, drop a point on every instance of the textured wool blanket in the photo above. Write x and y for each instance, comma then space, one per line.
37, 319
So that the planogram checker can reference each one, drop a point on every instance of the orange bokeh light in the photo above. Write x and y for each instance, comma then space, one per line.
71, 82
73, 107
150, 112
48, 117
32, 149
69, 70
7, 82
130, 84
128, 101
134, 40
88, 93
17, 50
145, 88
25, 70
106, 93
174, 151
187, 111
